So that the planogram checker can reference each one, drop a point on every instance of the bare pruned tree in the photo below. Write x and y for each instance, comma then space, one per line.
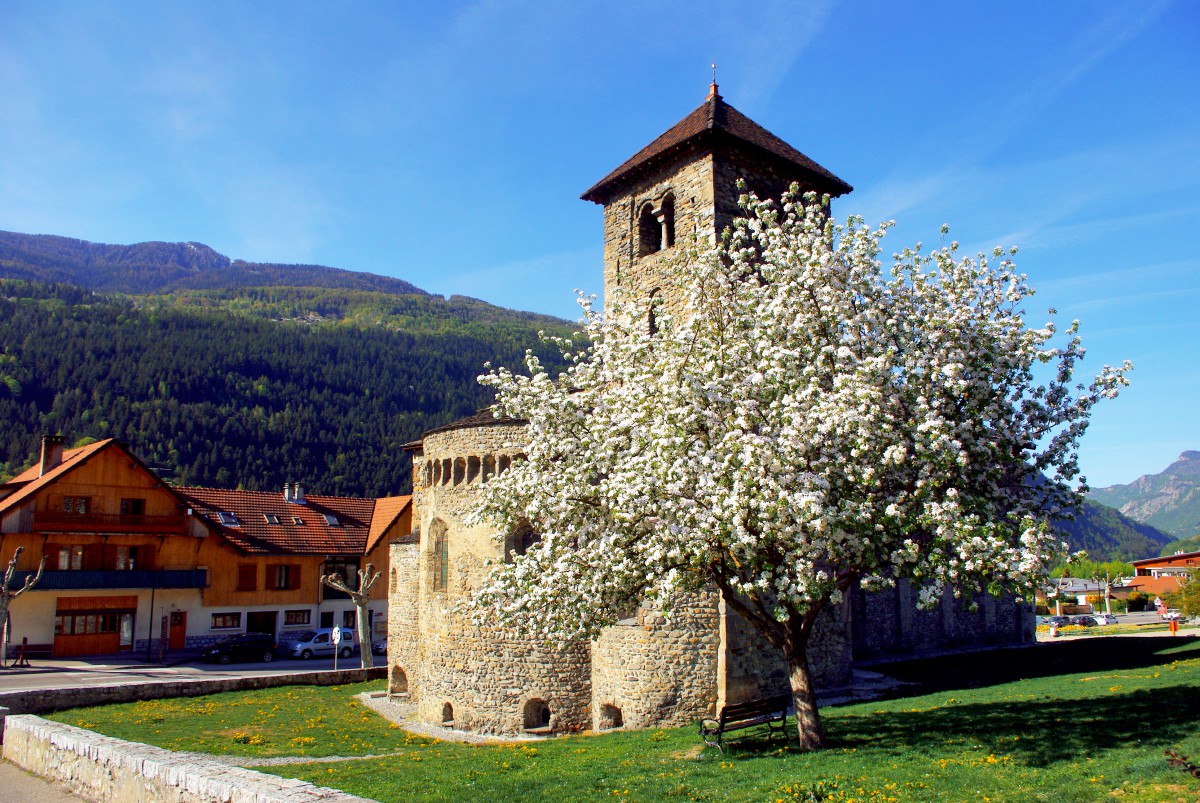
361, 597
7, 595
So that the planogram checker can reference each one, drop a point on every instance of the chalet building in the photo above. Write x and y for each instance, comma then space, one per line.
131, 562
1155, 577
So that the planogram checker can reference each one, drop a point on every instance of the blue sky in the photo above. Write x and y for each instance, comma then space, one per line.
447, 144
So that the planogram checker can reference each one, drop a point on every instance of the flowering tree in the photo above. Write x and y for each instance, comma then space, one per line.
805, 421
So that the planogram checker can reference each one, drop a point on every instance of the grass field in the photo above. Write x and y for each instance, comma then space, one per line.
1084, 720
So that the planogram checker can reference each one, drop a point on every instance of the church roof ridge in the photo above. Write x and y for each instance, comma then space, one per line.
713, 119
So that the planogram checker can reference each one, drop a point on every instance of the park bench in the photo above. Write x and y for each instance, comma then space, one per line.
734, 717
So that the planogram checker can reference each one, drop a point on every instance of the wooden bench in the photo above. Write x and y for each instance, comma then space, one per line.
771, 711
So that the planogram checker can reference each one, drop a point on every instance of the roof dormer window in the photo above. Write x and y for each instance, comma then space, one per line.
228, 519
332, 520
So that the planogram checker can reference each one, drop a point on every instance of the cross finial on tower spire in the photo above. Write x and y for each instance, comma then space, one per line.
712, 88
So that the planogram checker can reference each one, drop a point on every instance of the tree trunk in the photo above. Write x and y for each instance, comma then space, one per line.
367, 659
804, 700
4, 630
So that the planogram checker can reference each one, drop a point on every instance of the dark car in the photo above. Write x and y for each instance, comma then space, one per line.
242, 647
1084, 621
1059, 621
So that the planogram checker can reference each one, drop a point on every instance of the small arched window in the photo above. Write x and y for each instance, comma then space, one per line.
652, 313
649, 232
439, 555
521, 540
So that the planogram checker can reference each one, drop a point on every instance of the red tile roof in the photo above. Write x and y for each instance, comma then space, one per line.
357, 527
714, 121
1152, 586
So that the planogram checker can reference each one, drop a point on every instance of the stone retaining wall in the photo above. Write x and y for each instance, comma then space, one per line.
101, 768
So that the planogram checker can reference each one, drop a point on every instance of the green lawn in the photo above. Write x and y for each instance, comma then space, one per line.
1083, 720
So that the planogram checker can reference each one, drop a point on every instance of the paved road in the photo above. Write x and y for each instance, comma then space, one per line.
18, 786
57, 674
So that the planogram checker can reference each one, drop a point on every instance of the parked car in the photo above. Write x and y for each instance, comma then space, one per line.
311, 643
1083, 620
1059, 621
1105, 619
242, 647
379, 646
1171, 614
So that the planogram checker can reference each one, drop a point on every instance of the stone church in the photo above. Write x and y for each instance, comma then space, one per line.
645, 670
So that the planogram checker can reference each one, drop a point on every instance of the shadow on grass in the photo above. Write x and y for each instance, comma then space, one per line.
1036, 732
1093, 654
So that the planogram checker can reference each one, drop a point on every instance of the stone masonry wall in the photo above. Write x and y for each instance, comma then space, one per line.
403, 650
691, 184
482, 678
887, 622
754, 669
657, 671
102, 768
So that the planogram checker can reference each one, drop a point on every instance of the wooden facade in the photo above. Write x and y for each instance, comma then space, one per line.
131, 561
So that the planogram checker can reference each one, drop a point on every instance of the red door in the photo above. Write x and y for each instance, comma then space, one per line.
178, 630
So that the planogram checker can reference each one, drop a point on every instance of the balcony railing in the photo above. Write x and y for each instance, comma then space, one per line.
134, 578
106, 523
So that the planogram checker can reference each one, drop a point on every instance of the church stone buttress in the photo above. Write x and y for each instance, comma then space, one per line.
684, 184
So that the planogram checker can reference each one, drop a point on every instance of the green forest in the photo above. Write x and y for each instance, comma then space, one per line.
250, 387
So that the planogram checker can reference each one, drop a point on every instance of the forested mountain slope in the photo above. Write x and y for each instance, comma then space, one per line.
1107, 535
250, 388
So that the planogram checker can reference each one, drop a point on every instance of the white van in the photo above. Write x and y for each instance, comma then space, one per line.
313, 643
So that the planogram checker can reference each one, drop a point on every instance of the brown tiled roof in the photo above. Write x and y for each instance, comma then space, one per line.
483, 418
1153, 585
254, 534
387, 510
714, 121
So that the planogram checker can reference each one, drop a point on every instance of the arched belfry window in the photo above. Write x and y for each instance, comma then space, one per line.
668, 221
656, 226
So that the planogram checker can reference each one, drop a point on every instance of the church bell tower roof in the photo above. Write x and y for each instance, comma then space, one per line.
714, 123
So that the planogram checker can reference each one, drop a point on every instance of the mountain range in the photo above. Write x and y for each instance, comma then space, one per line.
158, 267
1169, 501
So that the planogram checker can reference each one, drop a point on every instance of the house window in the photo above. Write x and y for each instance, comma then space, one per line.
76, 504
284, 576
348, 619
303, 617
132, 510
70, 558
226, 621
344, 568
247, 578
126, 558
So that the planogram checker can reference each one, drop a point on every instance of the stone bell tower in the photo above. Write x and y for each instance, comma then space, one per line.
684, 182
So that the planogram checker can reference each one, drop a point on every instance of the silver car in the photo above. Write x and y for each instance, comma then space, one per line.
313, 643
